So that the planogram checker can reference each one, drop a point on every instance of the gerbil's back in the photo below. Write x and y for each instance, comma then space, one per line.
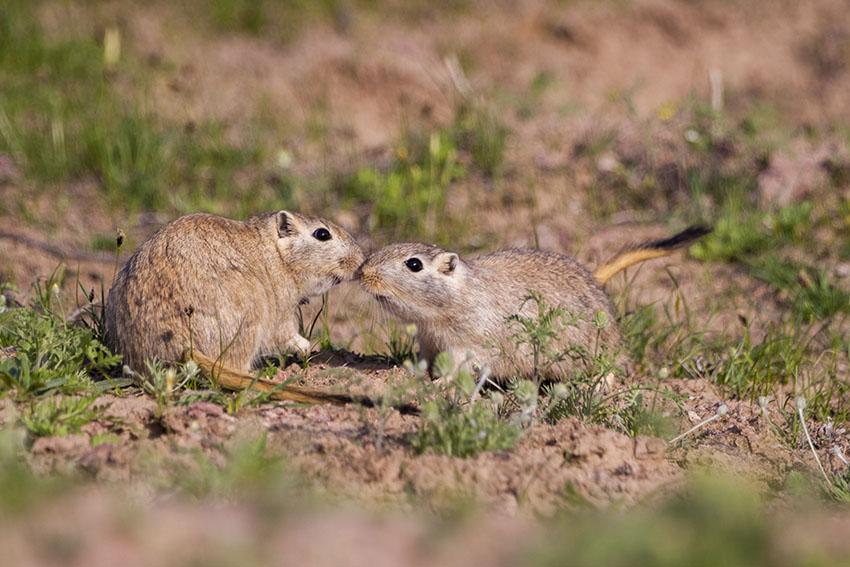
184, 265
562, 280
510, 275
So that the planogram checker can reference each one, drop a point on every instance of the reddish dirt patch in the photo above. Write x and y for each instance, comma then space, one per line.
342, 450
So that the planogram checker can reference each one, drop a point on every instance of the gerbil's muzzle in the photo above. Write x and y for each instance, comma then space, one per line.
351, 265
369, 279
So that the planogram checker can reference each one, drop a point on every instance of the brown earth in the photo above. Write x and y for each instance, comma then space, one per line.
362, 454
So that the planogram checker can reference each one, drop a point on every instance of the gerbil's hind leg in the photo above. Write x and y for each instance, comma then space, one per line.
290, 339
298, 344
227, 341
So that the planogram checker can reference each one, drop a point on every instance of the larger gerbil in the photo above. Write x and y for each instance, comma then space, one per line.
461, 307
228, 289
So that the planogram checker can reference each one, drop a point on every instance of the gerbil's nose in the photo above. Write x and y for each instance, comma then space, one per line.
368, 276
366, 266
362, 270
360, 258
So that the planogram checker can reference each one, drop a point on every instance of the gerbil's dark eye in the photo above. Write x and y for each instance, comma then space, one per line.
322, 234
413, 264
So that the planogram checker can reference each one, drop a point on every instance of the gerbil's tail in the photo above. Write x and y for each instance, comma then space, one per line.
235, 380
635, 254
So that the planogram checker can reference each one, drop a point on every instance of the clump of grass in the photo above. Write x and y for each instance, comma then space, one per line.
62, 121
463, 431
409, 199
586, 392
742, 234
635, 414
456, 421
402, 344
540, 332
50, 356
59, 415
463, 426
163, 382
479, 131
735, 237
813, 297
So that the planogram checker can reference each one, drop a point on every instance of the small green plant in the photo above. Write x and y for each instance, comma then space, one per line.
163, 382
410, 198
636, 415
401, 343
463, 431
540, 332
583, 394
813, 297
50, 355
736, 235
59, 415
840, 483
456, 421
479, 131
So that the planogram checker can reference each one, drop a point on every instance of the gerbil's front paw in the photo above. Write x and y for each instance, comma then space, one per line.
299, 344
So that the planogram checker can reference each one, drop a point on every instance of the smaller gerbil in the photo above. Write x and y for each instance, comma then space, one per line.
226, 289
461, 306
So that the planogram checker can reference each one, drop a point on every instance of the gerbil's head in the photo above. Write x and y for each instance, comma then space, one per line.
318, 252
416, 282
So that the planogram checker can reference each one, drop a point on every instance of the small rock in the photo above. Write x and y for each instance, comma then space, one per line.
607, 162
649, 447
205, 408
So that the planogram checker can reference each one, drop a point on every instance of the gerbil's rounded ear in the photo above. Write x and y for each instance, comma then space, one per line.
284, 224
447, 262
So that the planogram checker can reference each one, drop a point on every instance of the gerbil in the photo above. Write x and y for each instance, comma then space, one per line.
461, 307
226, 289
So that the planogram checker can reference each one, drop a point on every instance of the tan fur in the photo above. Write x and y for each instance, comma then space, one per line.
460, 309
234, 284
